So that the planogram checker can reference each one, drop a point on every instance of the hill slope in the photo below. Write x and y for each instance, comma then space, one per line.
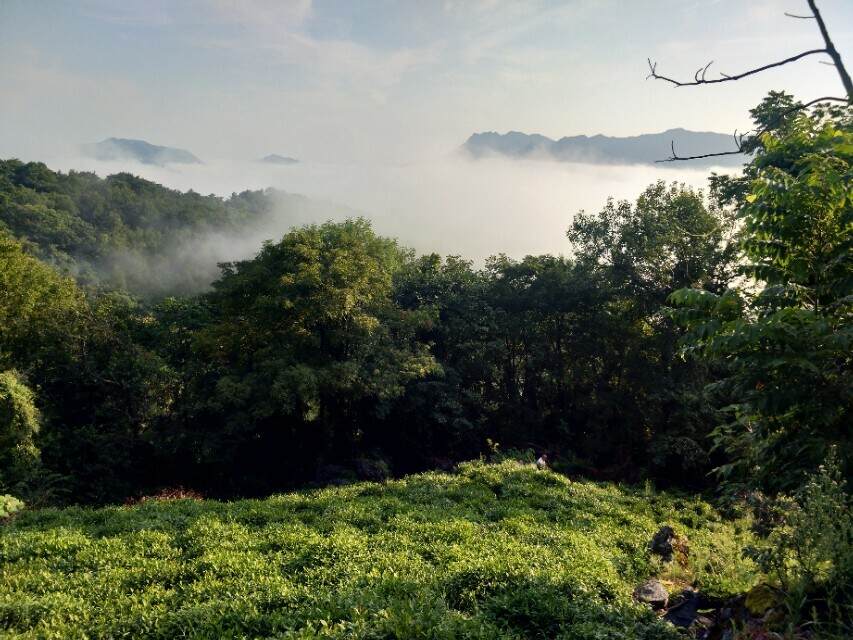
138, 150
275, 158
599, 149
126, 232
494, 551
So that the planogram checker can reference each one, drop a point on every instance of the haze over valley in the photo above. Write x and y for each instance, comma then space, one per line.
450, 204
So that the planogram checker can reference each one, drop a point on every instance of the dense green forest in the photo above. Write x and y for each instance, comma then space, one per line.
696, 340
124, 232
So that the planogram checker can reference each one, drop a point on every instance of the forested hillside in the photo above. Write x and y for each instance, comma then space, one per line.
335, 348
335, 352
689, 339
124, 232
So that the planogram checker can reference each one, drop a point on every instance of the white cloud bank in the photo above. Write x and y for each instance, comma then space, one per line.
451, 205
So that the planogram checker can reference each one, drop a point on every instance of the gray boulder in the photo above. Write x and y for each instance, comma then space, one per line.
652, 593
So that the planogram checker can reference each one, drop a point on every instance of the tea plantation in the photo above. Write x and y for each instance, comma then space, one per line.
493, 551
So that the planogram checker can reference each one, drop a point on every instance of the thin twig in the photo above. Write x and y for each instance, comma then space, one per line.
739, 138
832, 51
699, 76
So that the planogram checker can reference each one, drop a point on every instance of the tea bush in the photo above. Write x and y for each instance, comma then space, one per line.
493, 551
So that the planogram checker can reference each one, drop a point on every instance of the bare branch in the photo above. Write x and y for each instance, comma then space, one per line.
699, 76
739, 138
833, 52
677, 158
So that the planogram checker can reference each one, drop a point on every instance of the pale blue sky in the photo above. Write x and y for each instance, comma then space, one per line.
359, 80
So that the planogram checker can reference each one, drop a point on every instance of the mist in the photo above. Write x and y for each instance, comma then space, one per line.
449, 205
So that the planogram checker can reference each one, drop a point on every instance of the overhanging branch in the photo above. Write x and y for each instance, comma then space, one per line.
739, 138
699, 76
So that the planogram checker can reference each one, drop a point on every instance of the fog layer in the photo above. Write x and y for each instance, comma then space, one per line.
472, 208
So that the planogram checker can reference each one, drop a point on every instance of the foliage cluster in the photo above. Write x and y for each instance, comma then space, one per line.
783, 338
335, 348
809, 554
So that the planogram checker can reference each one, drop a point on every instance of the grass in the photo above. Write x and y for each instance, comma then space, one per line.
493, 551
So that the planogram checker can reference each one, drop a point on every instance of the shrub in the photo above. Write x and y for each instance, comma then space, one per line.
9, 505
19, 423
810, 554
495, 551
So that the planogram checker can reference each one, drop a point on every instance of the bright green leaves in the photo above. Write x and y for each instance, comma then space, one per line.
19, 423
491, 552
783, 339
40, 311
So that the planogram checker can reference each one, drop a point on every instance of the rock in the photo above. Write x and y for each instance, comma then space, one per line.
705, 628
653, 593
684, 613
761, 598
661, 543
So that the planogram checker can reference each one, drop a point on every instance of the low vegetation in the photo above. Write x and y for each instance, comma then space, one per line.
492, 551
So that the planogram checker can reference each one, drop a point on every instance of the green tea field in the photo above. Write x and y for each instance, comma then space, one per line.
493, 551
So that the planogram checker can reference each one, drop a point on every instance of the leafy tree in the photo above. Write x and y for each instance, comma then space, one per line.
785, 336
19, 424
39, 310
651, 401
305, 350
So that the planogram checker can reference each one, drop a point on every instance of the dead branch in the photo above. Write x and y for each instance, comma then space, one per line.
832, 52
739, 138
699, 76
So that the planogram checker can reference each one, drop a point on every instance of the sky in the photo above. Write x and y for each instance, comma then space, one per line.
382, 81
375, 98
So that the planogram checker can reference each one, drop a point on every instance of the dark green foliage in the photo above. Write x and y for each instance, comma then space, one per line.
336, 346
122, 231
302, 352
810, 551
98, 390
571, 355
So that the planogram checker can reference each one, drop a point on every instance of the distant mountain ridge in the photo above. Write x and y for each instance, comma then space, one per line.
601, 149
138, 150
274, 158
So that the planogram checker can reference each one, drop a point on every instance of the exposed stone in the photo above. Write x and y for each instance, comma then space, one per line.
653, 593
661, 543
684, 613
761, 598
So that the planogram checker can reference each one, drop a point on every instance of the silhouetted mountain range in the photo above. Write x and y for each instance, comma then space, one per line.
274, 158
600, 149
139, 150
